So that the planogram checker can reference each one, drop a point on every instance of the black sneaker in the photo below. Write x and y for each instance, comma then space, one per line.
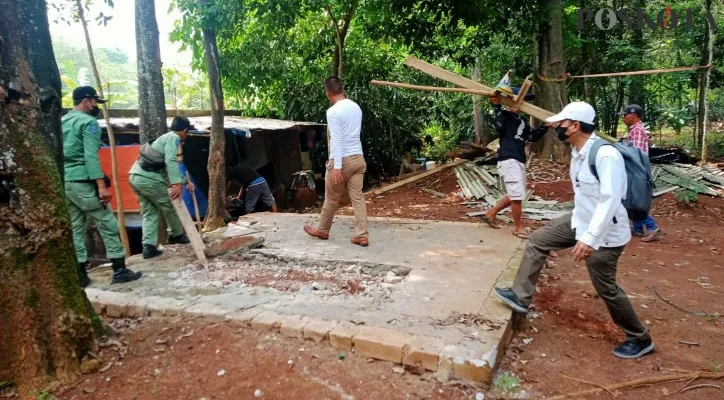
150, 251
125, 275
180, 239
83, 274
508, 297
634, 349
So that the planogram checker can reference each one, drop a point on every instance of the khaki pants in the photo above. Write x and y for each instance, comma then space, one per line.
601, 268
353, 172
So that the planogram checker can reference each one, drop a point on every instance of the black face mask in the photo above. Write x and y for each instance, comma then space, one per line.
95, 111
561, 133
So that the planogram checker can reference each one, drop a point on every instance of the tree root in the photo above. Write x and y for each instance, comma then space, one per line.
640, 382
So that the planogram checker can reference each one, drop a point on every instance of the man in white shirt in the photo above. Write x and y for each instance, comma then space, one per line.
346, 166
597, 229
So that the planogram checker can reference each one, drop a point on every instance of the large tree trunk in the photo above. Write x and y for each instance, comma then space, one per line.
217, 166
46, 75
551, 66
151, 102
707, 55
109, 129
46, 323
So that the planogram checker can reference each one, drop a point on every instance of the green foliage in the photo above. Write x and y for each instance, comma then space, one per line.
686, 196
507, 383
45, 395
714, 143
716, 368
713, 317
443, 142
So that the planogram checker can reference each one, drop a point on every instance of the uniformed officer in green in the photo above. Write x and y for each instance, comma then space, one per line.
156, 179
85, 186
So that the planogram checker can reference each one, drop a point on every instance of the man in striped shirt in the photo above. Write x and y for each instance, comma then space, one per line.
639, 137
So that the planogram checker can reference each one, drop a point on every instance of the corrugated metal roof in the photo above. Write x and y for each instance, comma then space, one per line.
230, 122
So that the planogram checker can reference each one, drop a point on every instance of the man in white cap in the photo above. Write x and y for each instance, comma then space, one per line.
597, 229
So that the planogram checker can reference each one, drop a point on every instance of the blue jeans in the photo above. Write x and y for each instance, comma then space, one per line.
649, 222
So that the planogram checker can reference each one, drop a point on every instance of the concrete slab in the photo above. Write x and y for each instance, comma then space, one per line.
333, 290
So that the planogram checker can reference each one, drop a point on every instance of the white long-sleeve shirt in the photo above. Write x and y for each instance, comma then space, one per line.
599, 217
344, 121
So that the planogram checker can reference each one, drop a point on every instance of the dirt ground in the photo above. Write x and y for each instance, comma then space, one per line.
192, 359
566, 340
572, 335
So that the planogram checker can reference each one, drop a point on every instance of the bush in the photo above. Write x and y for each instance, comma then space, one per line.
443, 142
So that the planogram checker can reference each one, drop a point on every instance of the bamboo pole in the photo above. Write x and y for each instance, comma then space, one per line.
646, 72
433, 88
111, 136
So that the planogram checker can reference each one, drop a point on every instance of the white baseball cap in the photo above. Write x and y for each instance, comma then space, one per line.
577, 111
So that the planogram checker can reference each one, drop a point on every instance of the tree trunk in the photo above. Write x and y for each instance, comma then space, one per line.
217, 166
46, 76
340, 36
109, 128
707, 55
617, 105
151, 102
481, 126
553, 94
47, 322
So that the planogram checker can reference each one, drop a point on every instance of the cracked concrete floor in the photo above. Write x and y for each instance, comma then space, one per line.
445, 269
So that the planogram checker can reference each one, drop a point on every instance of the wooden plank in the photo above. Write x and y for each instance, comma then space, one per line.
667, 190
433, 88
440, 73
418, 177
194, 237
521, 94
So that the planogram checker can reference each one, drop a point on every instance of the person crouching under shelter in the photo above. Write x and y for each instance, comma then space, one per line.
253, 185
156, 179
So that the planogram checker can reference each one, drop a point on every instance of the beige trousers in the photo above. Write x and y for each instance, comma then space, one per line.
353, 172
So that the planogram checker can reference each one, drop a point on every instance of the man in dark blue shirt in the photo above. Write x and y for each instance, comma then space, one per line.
513, 132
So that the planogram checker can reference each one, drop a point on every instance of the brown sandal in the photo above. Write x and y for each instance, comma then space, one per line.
492, 223
522, 235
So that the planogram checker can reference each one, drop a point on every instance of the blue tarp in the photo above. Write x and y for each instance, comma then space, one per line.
188, 200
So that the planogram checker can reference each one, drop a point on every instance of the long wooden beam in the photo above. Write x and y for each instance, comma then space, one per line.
432, 88
418, 177
440, 73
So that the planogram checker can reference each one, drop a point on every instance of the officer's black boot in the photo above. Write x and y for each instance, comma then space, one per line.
121, 274
150, 251
180, 239
83, 274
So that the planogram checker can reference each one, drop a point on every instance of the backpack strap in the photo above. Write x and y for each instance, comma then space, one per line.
592, 155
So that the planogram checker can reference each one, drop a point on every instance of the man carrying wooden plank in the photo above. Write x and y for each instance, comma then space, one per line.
86, 188
639, 137
513, 132
346, 166
597, 229
156, 179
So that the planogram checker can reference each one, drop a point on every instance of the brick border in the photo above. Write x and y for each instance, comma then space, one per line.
445, 360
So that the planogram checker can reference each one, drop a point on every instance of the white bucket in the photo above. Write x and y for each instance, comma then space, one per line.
430, 165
